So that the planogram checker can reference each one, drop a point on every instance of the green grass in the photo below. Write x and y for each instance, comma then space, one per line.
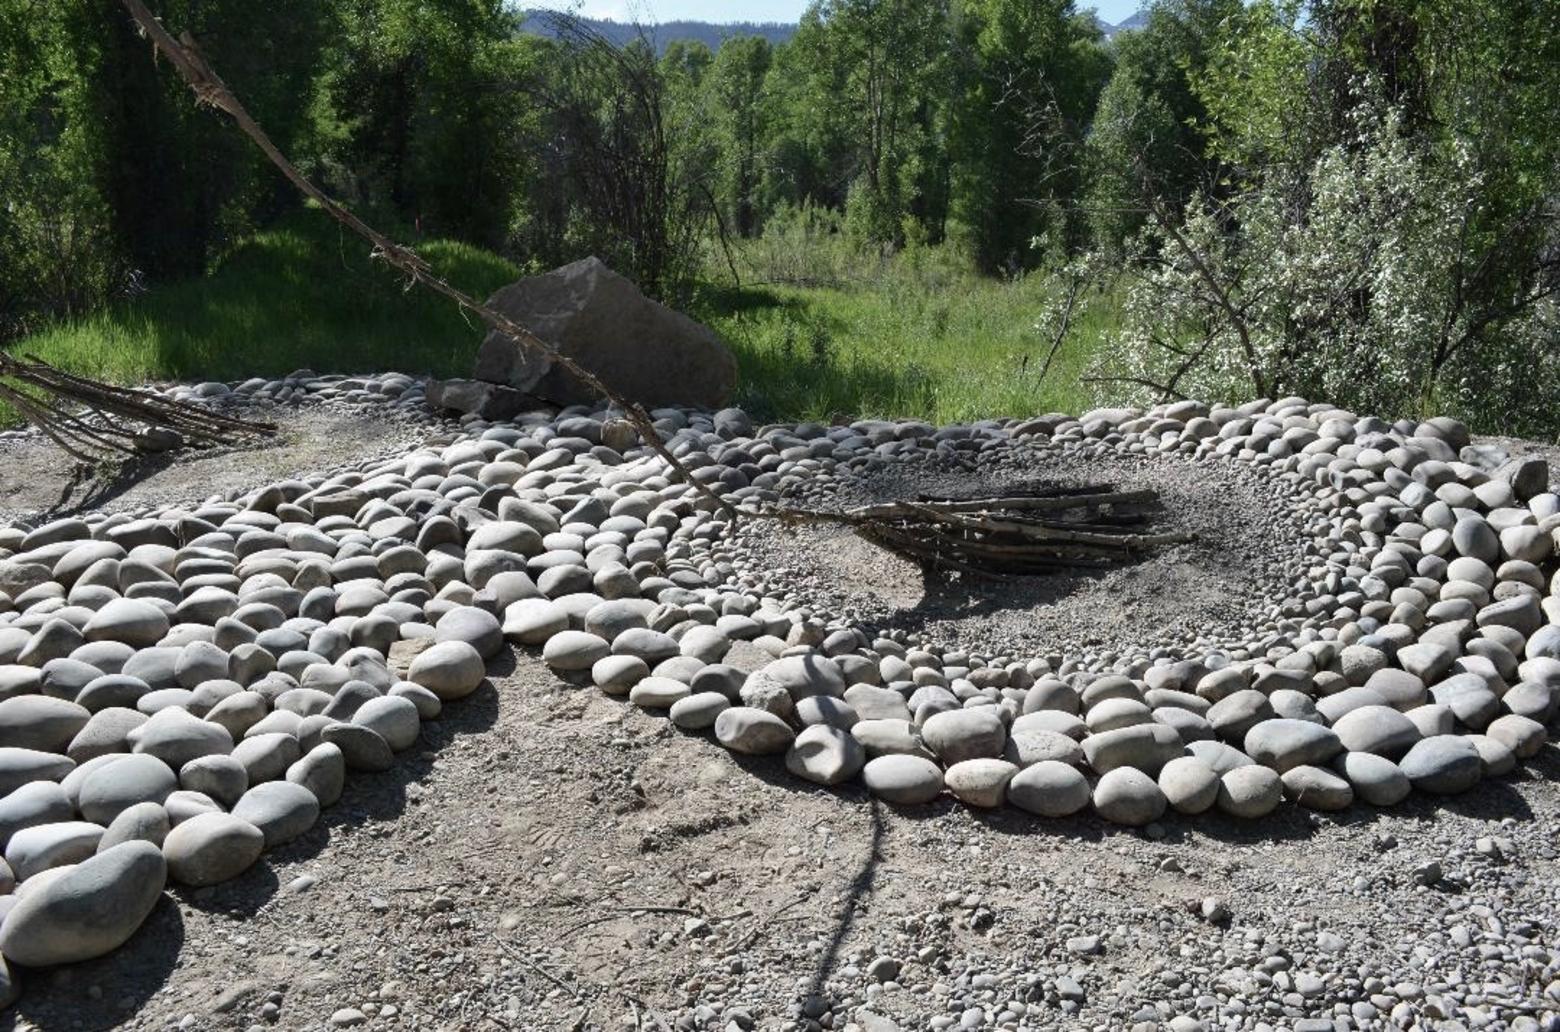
303, 294
914, 336
960, 349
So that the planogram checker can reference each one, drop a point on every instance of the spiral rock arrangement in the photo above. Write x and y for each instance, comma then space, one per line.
182, 690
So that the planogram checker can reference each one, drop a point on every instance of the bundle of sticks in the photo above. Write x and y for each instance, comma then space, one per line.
92, 421
1035, 531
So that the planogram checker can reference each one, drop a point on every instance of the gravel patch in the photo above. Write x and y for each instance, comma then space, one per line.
1248, 543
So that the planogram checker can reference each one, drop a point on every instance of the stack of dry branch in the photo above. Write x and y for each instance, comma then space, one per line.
92, 421
1030, 532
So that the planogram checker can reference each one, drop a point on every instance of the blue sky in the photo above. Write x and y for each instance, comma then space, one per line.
742, 10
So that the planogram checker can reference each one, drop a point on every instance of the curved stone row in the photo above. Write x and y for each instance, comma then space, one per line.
182, 690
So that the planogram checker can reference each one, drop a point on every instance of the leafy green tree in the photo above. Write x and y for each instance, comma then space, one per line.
878, 64
115, 171
422, 98
1147, 133
739, 106
1029, 76
1383, 231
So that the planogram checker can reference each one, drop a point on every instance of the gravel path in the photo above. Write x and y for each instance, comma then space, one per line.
38, 481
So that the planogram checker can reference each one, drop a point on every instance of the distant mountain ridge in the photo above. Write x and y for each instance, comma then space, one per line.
712, 34
1136, 21
663, 34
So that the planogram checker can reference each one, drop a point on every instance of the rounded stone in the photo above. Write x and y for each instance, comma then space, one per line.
176, 738
532, 621
1375, 779
1443, 765
361, 747
649, 645
449, 669
574, 650
223, 778
184, 804
90, 910
392, 718
38, 802
1189, 784
1316, 788
801, 676
1250, 792
212, 847
903, 779
1145, 747
476, 627
658, 692
825, 754
239, 713
826, 709
697, 712
1030, 746
128, 780
323, 771
428, 705
282, 810
134, 622
1236, 714
616, 675
1522, 735
107, 732
40, 722
965, 734
36, 849
1049, 788
754, 732
1376, 729
1282, 743
266, 757
981, 782
143, 822
1126, 795
889, 736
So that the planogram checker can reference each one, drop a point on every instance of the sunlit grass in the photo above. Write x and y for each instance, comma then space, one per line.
300, 295
917, 336
972, 349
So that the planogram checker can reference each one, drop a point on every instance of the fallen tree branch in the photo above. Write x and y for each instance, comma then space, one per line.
1002, 536
210, 90
92, 421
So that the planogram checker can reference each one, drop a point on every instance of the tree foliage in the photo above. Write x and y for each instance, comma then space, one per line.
1356, 200
1383, 230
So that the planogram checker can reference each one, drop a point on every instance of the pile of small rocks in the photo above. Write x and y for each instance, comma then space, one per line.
181, 690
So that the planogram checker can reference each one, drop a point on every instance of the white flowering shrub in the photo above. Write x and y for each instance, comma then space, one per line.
1372, 279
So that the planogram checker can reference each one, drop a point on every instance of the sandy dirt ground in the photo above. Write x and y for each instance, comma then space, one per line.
547, 858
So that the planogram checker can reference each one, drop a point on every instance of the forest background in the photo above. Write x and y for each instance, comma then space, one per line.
946, 209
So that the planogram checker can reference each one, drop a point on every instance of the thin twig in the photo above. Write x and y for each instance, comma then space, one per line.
770, 919
618, 912
514, 952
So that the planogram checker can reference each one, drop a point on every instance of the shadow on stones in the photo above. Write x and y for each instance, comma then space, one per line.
91, 487
106, 992
369, 797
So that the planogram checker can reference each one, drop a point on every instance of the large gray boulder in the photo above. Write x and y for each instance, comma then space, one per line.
592, 315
